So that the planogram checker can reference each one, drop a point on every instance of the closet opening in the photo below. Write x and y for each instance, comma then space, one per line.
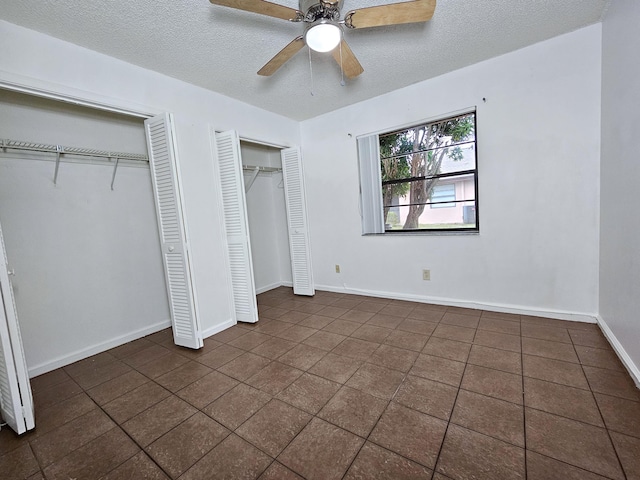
79, 215
267, 215
255, 182
81, 269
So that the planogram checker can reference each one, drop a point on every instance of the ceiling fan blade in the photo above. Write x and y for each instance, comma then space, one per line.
349, 63
282, 57
262, 7
393, 14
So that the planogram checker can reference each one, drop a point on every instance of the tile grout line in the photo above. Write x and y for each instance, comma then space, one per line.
522, 368
406, 374
404, 378
606, 428
453, 408
199, 410
570, 418
272, 397
522, 377
149, 379
115, 425
132, 439
342, 385
524, 406
455, 401
366, 439
33, 454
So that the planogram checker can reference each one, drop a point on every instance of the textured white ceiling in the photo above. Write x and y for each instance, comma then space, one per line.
221, 49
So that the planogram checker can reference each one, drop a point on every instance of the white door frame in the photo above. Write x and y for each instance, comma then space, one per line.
53, 91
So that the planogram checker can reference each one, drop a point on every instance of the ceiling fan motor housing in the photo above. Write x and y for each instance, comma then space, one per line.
314, 10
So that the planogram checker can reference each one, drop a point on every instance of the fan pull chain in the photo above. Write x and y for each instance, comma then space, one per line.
341, 67
310, 72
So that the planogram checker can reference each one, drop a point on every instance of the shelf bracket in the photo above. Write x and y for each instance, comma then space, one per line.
59, 151
115, 169
254, 175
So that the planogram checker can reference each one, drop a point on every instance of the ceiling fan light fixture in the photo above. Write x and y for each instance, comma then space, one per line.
323, 37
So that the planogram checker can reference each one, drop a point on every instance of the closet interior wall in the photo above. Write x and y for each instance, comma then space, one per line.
88, 265
266, 212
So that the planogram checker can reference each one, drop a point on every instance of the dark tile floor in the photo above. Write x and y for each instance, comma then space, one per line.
342, 386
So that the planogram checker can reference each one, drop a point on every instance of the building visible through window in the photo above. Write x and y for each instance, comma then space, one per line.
443, 196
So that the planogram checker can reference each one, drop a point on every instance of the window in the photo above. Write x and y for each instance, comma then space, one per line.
421, 178
443, 196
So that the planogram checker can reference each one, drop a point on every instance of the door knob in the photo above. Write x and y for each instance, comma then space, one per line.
11, 272
171, 248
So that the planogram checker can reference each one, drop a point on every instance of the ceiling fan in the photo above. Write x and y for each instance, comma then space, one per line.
324, 31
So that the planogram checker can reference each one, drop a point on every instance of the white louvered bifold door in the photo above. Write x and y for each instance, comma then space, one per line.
16, 401
234, 207
297, 221
165, 176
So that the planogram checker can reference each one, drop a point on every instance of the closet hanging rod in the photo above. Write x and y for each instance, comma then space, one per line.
59, 149
261, 169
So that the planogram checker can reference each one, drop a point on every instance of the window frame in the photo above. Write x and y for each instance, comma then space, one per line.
365, 190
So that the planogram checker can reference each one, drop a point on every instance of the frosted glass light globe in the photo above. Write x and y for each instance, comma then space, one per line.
323, 37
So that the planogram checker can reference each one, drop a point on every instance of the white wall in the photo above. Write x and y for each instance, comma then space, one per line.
87, 259
539, 149
620, 220
538, 157
267, 219
38, 61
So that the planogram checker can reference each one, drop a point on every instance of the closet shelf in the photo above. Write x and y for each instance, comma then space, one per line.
60, 150
42, 147
254, 168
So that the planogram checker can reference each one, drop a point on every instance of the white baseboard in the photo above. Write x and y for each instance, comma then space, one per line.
626, 360
451, 302
266, 288
49, 365
218, 328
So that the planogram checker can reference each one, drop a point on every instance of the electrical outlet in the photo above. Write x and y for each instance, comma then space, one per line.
426, 274
337, 268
